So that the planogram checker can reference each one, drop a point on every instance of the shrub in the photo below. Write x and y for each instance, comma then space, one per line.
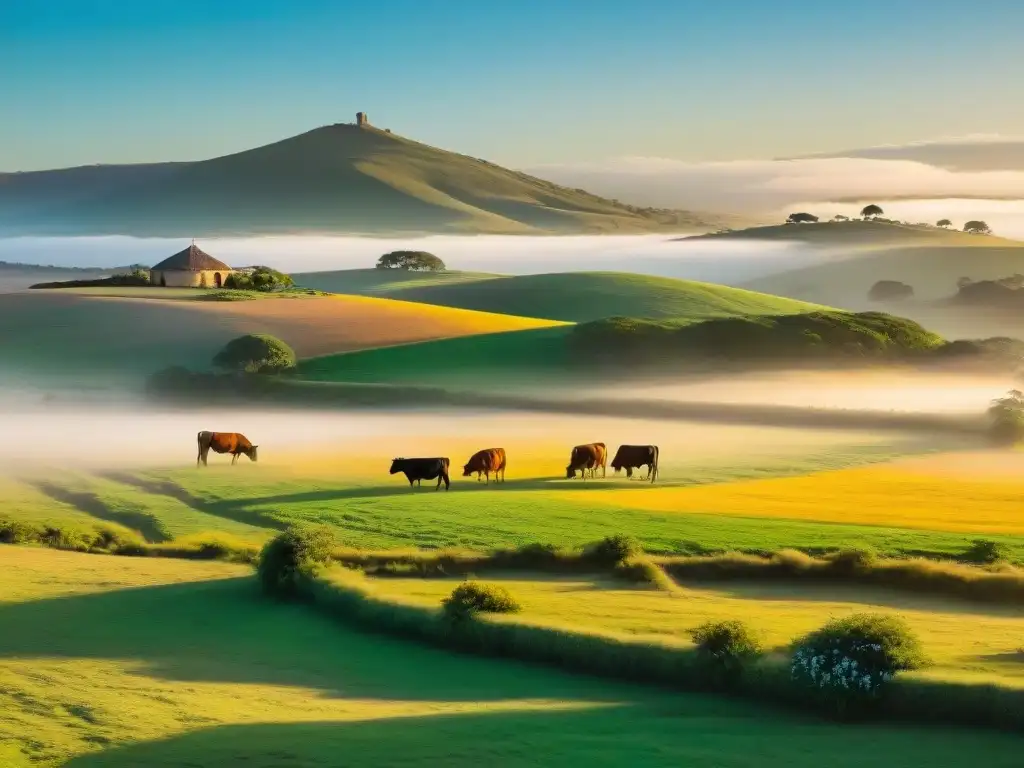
472, 596
256, 353
852, 561
284, 557
885, 290
725, 647
849, 661
984, 552
259, 279
613, 550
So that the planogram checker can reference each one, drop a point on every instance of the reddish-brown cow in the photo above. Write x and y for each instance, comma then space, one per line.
224, 442
587, 458
484, 463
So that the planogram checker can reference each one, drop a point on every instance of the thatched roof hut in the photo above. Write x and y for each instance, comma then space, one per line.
190, 268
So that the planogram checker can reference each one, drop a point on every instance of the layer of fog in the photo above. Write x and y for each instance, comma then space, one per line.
903, 392
98, 438
774, 185
661, 255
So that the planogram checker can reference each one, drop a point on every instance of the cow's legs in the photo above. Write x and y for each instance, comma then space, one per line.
487, 475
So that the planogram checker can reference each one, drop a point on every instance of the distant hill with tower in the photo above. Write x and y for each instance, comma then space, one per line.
342, 178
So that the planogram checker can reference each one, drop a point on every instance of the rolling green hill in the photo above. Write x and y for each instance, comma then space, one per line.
384, 282
338, 178
863, 234
572, 296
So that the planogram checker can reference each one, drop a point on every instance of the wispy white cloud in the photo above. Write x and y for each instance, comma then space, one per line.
769, 185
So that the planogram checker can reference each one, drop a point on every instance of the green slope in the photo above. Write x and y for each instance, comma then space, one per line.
391, 283
580, 296
863, 234
339, 178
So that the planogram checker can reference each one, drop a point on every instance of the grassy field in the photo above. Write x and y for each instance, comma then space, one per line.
965, 642
576, 296
384, 282
120, 663
58, 332
703, 501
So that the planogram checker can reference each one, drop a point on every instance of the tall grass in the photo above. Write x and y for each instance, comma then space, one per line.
346, 596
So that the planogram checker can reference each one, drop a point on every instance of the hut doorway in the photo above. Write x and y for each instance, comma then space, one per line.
163, 280
216, 279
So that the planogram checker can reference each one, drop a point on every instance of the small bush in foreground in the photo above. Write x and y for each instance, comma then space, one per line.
613, 550
284, 557
849, 661
471, 596
725, 647
983, 552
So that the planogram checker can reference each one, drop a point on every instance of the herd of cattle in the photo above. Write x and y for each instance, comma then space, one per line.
490, 461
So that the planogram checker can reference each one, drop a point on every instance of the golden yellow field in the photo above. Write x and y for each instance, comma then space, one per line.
967, 642
321, 325
924, 494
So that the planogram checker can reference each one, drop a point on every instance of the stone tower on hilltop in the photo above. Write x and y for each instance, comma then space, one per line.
362, 121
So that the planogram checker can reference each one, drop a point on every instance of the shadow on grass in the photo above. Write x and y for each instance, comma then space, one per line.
93, 505
224, 631
235, 510
1013, 657
690, 731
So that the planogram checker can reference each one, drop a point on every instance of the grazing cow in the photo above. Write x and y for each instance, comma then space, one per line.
484, 463
587, 457
224, 442
632, 457
418, 470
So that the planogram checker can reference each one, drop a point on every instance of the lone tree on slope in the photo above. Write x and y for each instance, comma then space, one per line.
870, 211
419, 261
977, 228
944, 223
802, 218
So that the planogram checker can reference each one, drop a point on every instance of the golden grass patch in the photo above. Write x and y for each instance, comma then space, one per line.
891, 495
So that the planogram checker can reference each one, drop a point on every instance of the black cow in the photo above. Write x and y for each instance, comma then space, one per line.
632, 457
418, 470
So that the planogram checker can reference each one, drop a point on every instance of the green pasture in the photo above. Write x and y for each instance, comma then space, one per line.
569, 296
129, 667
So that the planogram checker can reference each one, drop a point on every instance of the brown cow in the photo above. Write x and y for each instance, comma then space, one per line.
224, 442
587, 457
484, 462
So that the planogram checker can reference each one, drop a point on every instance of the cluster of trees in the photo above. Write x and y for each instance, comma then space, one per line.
416, 261
890, 290
256, 353
874, 213
259, 279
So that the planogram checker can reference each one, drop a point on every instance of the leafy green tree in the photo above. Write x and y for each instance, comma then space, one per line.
419, 261
256, 353
977, 228
944, 223
1007, 415
870, 211
802, 218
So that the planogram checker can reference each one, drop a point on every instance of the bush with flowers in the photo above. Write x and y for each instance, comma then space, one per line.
850, 661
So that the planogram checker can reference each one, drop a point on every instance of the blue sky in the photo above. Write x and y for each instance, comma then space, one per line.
520, 83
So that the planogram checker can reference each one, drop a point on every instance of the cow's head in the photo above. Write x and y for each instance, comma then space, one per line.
466, 471
570, 472
396, 466
251, 453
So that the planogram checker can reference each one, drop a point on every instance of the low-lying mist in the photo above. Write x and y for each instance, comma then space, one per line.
659, 255
903, 392
92, 438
